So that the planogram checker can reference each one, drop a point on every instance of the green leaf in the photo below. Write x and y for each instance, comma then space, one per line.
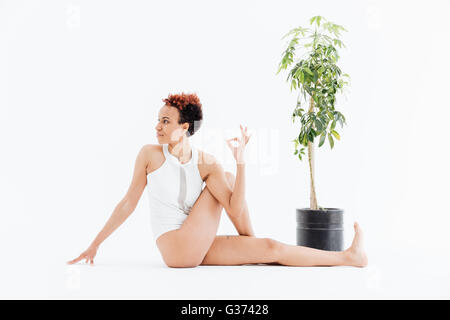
308, 70
335, 134
311, 136
304, 140
302, 77
318, 20
322, 138
330, 139
318, 125
333, 125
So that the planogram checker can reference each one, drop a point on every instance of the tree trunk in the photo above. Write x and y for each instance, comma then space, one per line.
312, 197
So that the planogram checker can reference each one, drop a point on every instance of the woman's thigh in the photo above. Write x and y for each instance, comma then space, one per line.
188, 245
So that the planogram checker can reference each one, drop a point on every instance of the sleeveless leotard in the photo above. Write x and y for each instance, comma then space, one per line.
172, 190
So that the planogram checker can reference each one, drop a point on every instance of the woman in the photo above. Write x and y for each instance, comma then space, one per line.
185, 217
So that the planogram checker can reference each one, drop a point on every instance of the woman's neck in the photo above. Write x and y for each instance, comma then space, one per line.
181, 150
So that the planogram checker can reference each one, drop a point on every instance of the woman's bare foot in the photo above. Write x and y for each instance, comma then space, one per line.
356, 254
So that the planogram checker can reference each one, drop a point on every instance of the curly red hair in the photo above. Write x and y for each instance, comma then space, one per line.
180, 101
189, 108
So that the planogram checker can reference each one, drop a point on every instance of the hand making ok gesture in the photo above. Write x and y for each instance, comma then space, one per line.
238, 151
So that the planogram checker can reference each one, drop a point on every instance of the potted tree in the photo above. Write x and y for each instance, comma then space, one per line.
318, 79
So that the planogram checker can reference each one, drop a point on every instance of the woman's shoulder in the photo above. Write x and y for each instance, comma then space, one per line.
154, 156
152, 150
152, 147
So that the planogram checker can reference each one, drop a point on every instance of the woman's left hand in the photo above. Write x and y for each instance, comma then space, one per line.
238, 152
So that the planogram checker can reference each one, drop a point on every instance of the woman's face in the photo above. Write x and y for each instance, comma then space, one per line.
167, 129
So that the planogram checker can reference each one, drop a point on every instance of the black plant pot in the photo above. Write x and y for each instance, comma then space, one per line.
321, 229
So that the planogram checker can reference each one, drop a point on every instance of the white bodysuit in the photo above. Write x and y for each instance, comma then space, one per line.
173, 189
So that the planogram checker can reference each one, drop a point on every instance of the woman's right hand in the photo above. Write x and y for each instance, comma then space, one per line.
238, 152
89, 255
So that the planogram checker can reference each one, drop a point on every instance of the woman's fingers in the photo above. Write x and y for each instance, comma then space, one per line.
79, 258
244, 138
248, 138
87, 255
232, 139
243, 130
76, 259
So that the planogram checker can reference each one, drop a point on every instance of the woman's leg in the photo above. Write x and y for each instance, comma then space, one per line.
237, 250
187, 246
241, 223
196, 243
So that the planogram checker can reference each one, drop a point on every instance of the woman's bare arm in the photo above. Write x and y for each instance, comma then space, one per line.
121, 212
123, 209
232, 200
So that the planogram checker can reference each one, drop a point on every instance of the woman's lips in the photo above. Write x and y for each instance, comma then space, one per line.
159, 135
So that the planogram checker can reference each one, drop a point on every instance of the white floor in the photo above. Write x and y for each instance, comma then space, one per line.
390, 275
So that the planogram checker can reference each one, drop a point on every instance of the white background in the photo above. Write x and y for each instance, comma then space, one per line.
81, 84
